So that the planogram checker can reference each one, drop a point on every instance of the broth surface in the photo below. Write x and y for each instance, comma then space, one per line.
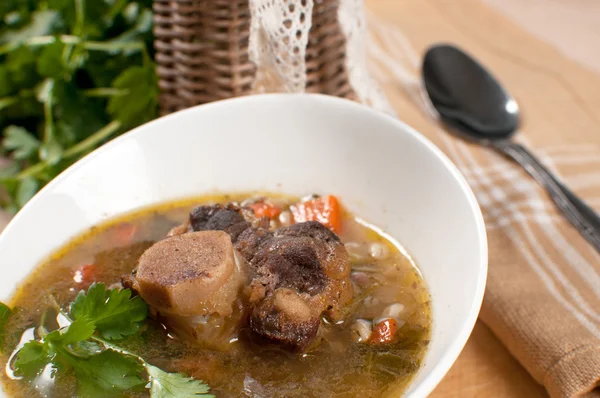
337, 367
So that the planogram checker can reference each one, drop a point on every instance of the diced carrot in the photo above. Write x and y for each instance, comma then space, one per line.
384, 332
325, 209
85, 275
265, 209
124, 233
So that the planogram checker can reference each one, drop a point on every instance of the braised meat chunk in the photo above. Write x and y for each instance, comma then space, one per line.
247, 232
294, 275
309, 259
219, 218
286, 318
305, 261
190, 274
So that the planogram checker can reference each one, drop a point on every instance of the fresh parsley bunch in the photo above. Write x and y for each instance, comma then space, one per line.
73, 74
87, 348
5, 313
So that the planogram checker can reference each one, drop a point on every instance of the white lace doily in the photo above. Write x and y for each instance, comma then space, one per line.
278, 39
279, 34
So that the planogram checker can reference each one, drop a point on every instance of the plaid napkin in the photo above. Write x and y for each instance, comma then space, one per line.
543, 292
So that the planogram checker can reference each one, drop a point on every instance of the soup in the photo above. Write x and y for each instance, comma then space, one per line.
298, 308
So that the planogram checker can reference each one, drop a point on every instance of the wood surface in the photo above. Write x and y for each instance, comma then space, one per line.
500, 32
548, 70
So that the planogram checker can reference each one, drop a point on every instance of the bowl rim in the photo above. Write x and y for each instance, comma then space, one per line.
439, 370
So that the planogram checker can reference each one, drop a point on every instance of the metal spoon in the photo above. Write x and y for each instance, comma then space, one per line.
474, 105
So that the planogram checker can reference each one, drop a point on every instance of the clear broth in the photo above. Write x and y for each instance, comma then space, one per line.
338, 367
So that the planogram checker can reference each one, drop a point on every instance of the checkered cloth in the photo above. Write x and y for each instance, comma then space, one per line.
543, 292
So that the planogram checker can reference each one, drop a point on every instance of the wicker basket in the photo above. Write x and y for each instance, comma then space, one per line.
202, 51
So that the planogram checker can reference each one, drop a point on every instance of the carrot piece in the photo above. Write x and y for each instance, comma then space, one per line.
85, 275
265, 209
325, 210
384, 332
124, 233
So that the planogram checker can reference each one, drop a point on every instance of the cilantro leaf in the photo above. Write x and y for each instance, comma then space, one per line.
139, 105
79, 330
109, 371
77, 116
42, 23
142, 26
21, 142
103, 68
21, 68
74, 50
5, 83
25, 190
5, 313
32, 358
85, 349
51, 151
114, 312
175, 385
69, 347
51, 61
35, 355
93, 12
10, 186
101, 368
22, 8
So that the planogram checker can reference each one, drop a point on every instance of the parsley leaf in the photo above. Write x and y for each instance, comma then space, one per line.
51, 61
109, 371
139, 104
79, 330
114, 312
21, 68
50, 150
42, 23
5, 84
32, 358
35, 355
5, 313
73, 74
101, 368
77, 116
21, 142
25, 190
85, 349
175, 385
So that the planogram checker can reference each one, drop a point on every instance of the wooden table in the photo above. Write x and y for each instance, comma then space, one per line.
485, 368
527, 35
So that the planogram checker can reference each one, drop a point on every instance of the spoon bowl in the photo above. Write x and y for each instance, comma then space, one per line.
467, 96
475, 106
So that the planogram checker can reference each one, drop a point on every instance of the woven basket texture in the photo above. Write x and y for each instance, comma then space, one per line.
202, 52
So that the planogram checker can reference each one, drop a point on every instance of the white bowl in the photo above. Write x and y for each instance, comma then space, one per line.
384, 171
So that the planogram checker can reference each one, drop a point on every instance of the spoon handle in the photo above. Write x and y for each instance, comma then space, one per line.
581, 206
589, 213
577, 212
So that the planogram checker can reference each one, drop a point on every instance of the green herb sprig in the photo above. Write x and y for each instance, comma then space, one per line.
73, 74
86, 347
5, 313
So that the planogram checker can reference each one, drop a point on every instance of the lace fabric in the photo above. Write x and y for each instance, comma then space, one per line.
279, 36
278, 40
